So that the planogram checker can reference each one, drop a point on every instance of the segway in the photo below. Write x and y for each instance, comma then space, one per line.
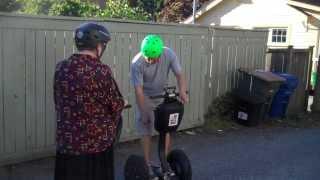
168, 116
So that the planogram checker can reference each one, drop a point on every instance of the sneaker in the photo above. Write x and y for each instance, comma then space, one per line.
171, 173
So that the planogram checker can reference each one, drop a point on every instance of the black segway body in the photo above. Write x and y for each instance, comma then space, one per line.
168, 116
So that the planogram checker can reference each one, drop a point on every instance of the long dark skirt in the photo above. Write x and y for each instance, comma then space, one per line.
85, 167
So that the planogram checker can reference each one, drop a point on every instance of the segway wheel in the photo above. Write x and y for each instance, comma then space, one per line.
136, 169
180, 164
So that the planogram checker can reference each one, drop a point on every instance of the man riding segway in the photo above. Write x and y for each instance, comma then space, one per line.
149, 75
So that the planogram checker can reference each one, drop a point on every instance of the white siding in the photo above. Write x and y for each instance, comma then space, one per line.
264, 14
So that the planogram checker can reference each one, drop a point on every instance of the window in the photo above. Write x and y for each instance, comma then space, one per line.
279, 35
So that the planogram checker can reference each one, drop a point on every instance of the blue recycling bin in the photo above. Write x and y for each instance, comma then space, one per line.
282, 97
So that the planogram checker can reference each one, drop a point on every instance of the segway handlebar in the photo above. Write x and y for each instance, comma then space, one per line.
166, 95
128, 106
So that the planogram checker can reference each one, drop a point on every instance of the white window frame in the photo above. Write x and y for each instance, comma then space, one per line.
270, 37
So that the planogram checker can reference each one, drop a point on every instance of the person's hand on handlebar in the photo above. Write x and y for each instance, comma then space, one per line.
126, 103
184, 98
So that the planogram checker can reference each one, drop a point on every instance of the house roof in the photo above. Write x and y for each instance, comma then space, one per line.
306, 5
205, 8
313, 5
311, 2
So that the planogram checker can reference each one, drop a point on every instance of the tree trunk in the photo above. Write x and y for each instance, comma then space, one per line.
316, 98
102, 4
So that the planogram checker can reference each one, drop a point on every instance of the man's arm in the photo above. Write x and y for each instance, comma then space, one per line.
141, 105
140, 98
182, 88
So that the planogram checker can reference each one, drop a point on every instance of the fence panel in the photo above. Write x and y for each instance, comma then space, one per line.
296, 62
30, 47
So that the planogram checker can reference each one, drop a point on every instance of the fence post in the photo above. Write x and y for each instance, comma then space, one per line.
309, 77
316, 98
310, 63
289, 60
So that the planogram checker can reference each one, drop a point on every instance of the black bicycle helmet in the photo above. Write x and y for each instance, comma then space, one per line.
88, 35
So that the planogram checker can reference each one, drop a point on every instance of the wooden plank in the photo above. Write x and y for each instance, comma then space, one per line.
110, 52
14, 95
252, 57
220, 70
262, 57
186, 62
233, 63
305, 70
203, 77
247, 54
297, 103
169, 41
223, 66
20, 86
123, 66
209, 76
242, 56
117, 57
57, 43
229, 67
30, 88
215, 66
40, 129
54, 50
236, 63
196, 74
193, 71
135, 48
2, 127
69, 44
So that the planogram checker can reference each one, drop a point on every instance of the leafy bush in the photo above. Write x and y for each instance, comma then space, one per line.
35, 7
76, 8
222, 106
121, 9
84, 8
113, 9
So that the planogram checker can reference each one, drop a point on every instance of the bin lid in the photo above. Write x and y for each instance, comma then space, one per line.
264, 75
291, 82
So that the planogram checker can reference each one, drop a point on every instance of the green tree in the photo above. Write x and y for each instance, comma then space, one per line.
152, 7
121, 9
78, 8
113, 9
36, 7
9, 5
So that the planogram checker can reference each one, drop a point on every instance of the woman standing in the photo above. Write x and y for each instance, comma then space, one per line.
88, 104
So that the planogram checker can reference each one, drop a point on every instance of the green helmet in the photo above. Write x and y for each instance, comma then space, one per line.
152, 46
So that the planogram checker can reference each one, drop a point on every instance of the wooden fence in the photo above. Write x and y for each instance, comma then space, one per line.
297, 62
30, 47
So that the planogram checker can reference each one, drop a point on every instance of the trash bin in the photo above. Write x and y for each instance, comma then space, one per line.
254, 95
282, 97
250, 110
259, 83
